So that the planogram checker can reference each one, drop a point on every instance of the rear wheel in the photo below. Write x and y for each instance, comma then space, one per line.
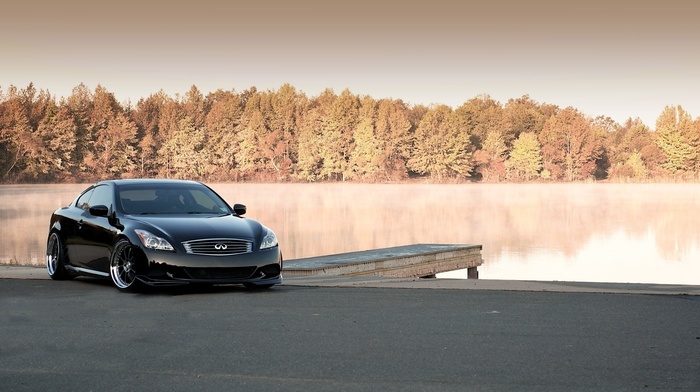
122, 266
55, 258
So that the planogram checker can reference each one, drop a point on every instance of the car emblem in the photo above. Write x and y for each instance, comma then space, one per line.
220, 246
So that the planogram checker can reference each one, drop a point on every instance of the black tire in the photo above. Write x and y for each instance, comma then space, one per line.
56, 258
123, 265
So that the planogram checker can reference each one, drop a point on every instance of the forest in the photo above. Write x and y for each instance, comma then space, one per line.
285, 136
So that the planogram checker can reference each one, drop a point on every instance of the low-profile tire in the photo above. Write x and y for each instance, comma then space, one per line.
56, 258
123, 265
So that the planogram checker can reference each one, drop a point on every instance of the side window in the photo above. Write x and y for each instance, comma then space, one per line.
83, 200
102, 195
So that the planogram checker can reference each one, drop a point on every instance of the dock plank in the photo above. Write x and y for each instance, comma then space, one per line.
417, 260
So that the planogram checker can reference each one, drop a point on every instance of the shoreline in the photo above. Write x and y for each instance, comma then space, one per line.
39, 273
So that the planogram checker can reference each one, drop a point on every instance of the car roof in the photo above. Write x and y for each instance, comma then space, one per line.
147, 181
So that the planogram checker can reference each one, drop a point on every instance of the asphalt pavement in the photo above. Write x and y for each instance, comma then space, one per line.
347, 334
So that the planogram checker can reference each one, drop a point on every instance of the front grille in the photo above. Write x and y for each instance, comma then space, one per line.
220, 273
218, 247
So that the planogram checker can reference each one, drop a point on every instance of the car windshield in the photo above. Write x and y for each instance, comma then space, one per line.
170, 199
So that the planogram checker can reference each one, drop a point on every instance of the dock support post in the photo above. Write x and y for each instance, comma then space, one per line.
472, 273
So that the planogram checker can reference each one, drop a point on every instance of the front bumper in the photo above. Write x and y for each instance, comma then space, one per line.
172, 268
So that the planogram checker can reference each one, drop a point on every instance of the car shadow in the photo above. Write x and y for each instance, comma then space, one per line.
188, 289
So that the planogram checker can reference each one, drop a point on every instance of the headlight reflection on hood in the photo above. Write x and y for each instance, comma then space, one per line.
270, 239
153, 242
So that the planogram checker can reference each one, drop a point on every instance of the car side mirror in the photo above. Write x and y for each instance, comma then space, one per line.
239, 209
99, 210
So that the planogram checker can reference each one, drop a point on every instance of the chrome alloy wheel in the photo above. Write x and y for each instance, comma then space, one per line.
55, 258
53, 252
122, 266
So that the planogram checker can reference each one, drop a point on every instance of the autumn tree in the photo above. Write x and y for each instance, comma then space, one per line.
311, 139
288, 107
80, 105
17, 141
678, 139
111, 136
522, 115
147, 117
479, 116
113, 153
629, 151
337, 125
276, 132
570, 146
221, 124
393, 128
58, 135
490, 159
282, 135
637, 167
16, 135
250, 158
184, 149
525, 159
170, 122
24, 147
441, 149
365, 158
194, 107
309, 161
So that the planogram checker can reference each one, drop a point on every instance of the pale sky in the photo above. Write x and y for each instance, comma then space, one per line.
603, 57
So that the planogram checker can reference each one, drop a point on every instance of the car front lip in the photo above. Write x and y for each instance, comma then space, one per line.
175, 268
175, 281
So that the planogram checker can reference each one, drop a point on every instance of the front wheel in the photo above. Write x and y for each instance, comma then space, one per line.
55, 258
123, 265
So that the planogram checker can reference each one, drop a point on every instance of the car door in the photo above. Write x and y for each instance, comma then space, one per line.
70, 226
95, 233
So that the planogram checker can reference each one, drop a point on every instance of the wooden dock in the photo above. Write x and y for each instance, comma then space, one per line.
419, 260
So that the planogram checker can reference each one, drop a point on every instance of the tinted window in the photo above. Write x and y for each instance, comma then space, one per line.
102, 195
83, 200
170, 198
99, 195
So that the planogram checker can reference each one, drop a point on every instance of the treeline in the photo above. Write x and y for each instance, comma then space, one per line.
284, 135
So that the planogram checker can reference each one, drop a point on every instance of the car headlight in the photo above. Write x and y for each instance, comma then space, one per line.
153, 242
270, 239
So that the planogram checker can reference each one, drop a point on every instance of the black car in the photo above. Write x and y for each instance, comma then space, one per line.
160, 232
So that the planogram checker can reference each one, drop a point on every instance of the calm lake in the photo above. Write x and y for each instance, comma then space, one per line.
638, 233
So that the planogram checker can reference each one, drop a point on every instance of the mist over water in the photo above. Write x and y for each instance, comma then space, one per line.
638, 233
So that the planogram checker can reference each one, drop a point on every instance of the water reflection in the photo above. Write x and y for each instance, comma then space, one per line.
644, 233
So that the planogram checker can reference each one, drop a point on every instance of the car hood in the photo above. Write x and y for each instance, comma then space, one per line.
188, 227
